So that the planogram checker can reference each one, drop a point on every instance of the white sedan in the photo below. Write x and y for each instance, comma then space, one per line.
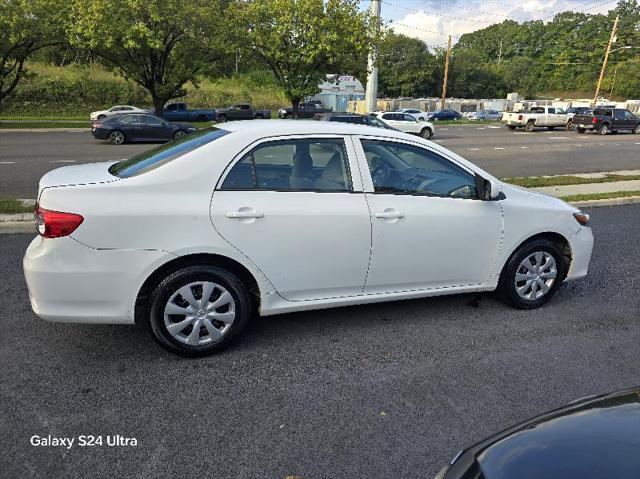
414, 112
195, 237
407, 123
115, 110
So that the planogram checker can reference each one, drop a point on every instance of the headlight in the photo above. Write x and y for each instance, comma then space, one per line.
581, 218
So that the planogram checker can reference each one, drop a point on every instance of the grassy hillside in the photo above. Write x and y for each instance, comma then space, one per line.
74, 91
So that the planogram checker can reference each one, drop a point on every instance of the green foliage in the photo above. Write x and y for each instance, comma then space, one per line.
301, 41
406, 67
159, 44
26, 26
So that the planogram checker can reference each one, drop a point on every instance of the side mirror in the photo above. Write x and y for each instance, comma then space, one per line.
486, 189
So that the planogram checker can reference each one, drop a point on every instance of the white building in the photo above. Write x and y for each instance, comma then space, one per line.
336, 92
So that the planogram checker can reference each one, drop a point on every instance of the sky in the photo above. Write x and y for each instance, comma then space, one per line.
432, 20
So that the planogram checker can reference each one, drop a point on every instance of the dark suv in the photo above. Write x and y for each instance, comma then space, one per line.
355, 118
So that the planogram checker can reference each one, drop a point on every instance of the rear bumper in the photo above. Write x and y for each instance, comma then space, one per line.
70, 282
99, 133
581, 247
590, 126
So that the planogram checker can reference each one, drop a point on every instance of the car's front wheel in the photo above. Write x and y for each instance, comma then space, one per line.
532, 275
426, 133
604, 129
116, 137
179, 134
637, 130
198, 310
101, 117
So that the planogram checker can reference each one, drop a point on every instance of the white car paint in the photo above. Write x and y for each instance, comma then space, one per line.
115, 110
542, 116
305, 249
416, 113
405, 122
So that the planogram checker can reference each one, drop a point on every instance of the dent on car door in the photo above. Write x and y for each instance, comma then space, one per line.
297, 211
429, 230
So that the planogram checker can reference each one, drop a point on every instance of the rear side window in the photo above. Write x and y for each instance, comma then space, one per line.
150, 160
292, 165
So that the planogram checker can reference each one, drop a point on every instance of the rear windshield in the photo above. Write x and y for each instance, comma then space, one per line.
152, 159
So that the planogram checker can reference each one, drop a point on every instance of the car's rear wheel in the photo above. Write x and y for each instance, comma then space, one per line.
532, 275
426, 133
511, 127
101, 117
529, 127
637, 130
604, 129
179, 134
198, 310
116, 137
580, 130
222, 118
201, 118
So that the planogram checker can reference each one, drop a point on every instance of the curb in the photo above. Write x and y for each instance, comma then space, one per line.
41, 130
23, 222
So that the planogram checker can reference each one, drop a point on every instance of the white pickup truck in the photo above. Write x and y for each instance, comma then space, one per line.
538, 116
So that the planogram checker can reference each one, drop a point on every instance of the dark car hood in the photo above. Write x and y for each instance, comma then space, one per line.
592, 438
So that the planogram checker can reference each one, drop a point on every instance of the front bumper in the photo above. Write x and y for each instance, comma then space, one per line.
70, 282
581, 248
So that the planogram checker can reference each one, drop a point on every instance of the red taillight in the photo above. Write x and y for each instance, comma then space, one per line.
96, 124
519, 117
54, 224
594, 120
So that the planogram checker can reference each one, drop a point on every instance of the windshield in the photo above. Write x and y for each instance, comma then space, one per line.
156, 157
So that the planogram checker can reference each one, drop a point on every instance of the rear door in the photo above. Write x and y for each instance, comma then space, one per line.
295, 207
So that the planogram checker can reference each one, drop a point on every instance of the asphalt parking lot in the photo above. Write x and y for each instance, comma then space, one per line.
378, 391
26, 156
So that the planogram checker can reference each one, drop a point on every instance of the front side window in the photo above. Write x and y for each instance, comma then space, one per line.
400, 168
293, 165
628, 115
129, 119
409, 118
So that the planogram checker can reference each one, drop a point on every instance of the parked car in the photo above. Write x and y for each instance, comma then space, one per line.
591, 438
605, 121
407, 123
115, 110
353, 118
240, 111
190, 239
138, 127
444, 115
414, 112
307, 109
180, 112
483, 115
537, 116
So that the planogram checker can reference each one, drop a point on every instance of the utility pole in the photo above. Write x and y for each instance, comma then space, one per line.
613, 83
446, 74
612, 39
371, 93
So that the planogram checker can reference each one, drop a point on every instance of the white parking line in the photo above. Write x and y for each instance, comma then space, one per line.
494, 127
498, 148
557, 137
443, 129
7, 162
473, 149
62, 161
524, 147
481, 128
577, 144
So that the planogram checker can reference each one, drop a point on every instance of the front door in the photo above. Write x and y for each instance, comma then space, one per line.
295, 208
429, 230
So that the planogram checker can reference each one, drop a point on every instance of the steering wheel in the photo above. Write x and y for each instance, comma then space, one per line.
380, 174
422, 186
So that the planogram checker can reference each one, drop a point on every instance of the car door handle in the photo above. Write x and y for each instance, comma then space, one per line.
244, 214
389, 214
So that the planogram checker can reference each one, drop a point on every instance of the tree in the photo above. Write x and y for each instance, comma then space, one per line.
26, 26
301, 41
159, 44
407, 68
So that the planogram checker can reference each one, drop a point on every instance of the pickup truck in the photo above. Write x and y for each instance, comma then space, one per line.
180, 112
607, 120
241, 111
537, 116
307, 109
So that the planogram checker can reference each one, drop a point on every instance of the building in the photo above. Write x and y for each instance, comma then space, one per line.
337, 92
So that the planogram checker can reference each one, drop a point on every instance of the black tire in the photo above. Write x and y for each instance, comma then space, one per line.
201, 118
101, 117
507, 287
222, 118
179, 134
569, 125
287, 116
117, 137
185, 276
636, 130
580, 130
529, 127
259, 116
604, 129
511, 127
426, 133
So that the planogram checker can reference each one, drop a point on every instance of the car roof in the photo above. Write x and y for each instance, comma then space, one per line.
308, 127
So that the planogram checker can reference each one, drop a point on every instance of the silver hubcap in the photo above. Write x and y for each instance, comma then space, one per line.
199, 313
117, 137
179, 134
535, 275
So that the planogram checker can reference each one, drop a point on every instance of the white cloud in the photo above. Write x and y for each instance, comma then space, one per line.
433, 21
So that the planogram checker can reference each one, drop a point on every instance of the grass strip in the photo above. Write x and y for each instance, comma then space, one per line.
538, 181
12, 206
601, 196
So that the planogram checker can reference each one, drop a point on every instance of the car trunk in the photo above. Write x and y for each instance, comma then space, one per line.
76, 175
